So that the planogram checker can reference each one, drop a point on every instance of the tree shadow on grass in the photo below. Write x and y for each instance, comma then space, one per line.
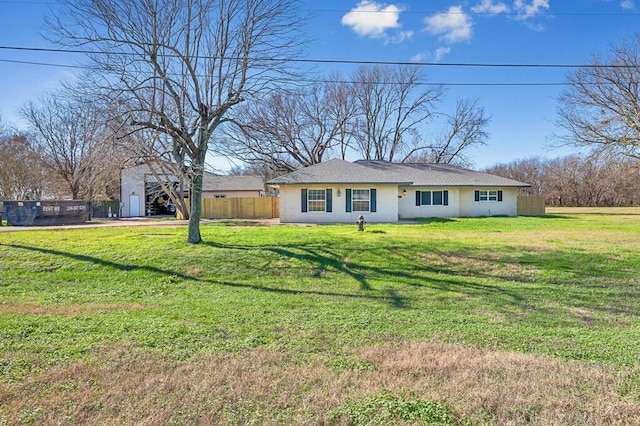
423, 276
473, 280
388, 296
101, 262
569, 276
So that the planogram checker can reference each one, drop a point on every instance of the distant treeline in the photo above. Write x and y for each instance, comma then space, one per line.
578, 181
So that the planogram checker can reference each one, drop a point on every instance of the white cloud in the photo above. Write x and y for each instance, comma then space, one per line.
420, 57
452, 26
441, 52
399, 37
436, 56
371, 19
491, 7
627, 4
528, 10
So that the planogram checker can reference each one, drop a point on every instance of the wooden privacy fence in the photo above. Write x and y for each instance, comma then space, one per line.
241, 208
531, 206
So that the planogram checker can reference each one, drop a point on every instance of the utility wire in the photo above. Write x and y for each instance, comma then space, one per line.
340, 61
299, 80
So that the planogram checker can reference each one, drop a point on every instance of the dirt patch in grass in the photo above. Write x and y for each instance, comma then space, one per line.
126, 385
31, 308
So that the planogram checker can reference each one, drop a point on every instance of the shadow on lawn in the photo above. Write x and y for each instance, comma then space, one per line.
503, 281
390, 296
437, 277
324, 260
101, 262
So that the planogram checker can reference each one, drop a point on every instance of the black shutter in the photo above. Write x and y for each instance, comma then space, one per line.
418, 198
303, 195
347, 198
499, 195
477, 195
372, 196
329, 201
445, 198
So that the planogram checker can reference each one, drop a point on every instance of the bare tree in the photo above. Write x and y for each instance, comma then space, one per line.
465, 129
181, 65
601, 109
596, 180
73, 142
391, 109
22, 175
294, 129
529, 170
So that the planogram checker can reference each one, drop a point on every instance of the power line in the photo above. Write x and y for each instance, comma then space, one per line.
284, 80
340, 61
46, 64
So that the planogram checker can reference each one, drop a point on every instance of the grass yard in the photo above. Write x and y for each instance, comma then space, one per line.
529, 320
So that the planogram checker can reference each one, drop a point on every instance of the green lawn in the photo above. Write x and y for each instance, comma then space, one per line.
462, 321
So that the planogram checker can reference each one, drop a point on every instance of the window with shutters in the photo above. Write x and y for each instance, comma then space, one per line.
360, 200
432, 198
488, 195
316, 200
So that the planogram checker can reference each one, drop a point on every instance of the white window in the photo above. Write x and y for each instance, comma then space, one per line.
360, 200
488, 195
316, 200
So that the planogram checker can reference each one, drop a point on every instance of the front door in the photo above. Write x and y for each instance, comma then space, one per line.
134, 205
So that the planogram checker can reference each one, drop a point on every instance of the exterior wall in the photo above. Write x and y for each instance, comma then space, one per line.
393, 205
407, 204
386, 205
507, 207
132, 183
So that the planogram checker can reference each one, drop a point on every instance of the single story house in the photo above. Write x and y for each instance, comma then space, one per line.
140, 192
338, 191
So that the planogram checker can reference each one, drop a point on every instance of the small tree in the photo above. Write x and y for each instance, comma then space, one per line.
74, 143
22, 175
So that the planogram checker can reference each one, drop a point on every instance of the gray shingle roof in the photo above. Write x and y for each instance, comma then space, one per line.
416, 174
213, 182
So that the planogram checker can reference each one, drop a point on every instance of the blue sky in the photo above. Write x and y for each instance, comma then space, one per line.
521, 101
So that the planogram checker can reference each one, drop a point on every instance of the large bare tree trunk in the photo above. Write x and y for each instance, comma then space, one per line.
194, 236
